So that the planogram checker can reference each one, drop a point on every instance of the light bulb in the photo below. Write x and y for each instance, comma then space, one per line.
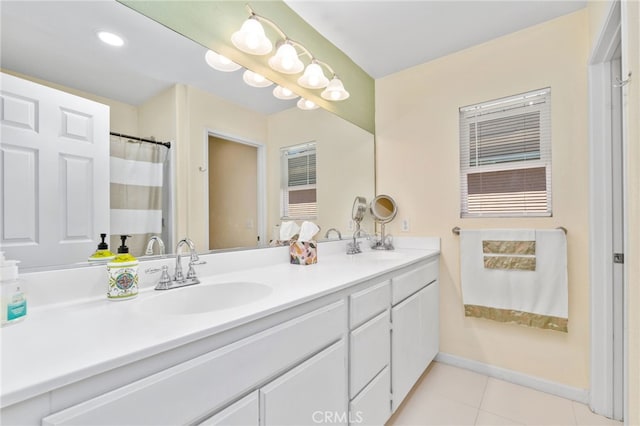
219, 62
313, 77
286, 60
306, 104
256, 80
335, 91
110, 38
284, 93
251, 38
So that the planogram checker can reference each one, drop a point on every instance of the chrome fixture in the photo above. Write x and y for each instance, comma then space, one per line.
251, 39
326, 235
179, 280
384, 209
149, 251
353, 247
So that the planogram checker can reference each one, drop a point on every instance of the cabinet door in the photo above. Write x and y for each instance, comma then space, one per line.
406, 355
414, 339
314, 392
429, 319
372, 405
369, 351
241, 413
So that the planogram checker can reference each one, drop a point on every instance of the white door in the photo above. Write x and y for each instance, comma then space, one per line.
55, 174
406, 353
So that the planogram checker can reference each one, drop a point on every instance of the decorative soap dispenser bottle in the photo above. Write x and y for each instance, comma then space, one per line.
123, 274
12, 297
103, 253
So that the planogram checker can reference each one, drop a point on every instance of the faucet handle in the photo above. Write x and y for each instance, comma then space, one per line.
165, 280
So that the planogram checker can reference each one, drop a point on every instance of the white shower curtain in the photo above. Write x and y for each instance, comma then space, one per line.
136, 192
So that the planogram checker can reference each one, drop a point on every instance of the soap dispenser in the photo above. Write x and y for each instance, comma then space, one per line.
103, 253
13, 300
123, 274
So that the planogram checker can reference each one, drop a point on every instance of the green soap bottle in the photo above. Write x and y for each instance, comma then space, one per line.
123, 274
102, 254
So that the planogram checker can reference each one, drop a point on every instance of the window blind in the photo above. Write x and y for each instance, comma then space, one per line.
505, 156
298, 187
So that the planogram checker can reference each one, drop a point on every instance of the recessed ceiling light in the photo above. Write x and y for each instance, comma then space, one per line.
110, 38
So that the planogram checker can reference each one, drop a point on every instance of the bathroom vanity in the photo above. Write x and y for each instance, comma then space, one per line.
339, 342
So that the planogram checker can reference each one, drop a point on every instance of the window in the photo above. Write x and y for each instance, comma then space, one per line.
505, 156
298, 184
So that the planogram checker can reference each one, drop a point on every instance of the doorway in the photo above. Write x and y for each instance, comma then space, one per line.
235, 192
607, 218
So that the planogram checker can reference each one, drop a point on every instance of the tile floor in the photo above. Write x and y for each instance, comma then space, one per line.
448, 395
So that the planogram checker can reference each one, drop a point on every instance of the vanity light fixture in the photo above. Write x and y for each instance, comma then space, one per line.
110, 38
335, 90
306, 104
251, 39
255, 80
220, 62
283, 93
313, 77
286, 59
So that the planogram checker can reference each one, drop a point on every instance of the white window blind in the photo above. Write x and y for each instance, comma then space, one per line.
298, 184
505, 156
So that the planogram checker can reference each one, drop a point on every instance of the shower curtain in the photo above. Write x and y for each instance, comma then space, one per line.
136, 192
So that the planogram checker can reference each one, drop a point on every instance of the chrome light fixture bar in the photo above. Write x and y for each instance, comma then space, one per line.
251, 38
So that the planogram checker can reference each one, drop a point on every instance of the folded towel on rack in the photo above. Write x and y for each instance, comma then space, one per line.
515, 276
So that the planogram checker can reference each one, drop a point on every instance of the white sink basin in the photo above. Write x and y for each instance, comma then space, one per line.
203, 298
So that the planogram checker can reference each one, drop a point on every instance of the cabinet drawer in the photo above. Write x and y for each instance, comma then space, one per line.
240, 413
408, 283
370, 351
368, 303
211, 380
308, 393
373, 405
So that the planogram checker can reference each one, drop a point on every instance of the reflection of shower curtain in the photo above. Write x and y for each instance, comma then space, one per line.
136, 192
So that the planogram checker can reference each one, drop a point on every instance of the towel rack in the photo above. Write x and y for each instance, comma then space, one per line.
456, 229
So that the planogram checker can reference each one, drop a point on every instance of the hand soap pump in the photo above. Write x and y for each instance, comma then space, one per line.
103, 253
123, 274
12, 297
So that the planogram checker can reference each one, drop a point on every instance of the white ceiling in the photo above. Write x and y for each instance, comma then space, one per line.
384, 37
55, 41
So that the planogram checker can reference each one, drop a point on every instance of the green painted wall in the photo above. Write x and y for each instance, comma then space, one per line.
212, 22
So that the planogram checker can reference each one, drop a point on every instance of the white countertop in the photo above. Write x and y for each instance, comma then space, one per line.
58, 345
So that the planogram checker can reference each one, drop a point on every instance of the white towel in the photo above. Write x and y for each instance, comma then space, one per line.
536, 298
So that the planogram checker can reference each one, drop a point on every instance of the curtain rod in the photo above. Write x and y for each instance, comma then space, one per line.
135, 138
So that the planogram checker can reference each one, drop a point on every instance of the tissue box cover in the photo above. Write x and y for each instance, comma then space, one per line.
303, 253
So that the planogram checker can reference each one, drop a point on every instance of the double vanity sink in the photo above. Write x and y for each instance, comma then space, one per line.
256, 332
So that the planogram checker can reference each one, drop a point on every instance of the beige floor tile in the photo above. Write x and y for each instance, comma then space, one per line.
454, 383
433, 410
526, 405
585, 417
489, 419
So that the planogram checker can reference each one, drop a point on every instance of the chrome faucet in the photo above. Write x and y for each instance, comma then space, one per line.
179, 279
155, 238
326, 235
354, 246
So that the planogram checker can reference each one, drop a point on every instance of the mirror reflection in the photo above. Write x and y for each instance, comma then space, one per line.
222, 182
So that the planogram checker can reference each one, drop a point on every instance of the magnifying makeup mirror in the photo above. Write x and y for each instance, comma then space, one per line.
383, 209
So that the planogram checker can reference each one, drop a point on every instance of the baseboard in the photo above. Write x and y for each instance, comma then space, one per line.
558, 389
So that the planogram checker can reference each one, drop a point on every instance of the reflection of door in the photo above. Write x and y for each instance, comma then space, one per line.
55, 174
233, 194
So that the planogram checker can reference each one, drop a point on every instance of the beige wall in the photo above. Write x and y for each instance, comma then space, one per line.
417, 162
233, 194
344, 155
200, 112
631, 14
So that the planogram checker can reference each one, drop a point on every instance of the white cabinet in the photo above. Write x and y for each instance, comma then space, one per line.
241, 413
414, 337
372, 406
310, 394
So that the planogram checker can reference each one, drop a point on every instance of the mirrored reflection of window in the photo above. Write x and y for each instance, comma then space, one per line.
505, 156
298, 183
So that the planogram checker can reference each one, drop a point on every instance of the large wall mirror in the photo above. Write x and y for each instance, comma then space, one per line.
229, 140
